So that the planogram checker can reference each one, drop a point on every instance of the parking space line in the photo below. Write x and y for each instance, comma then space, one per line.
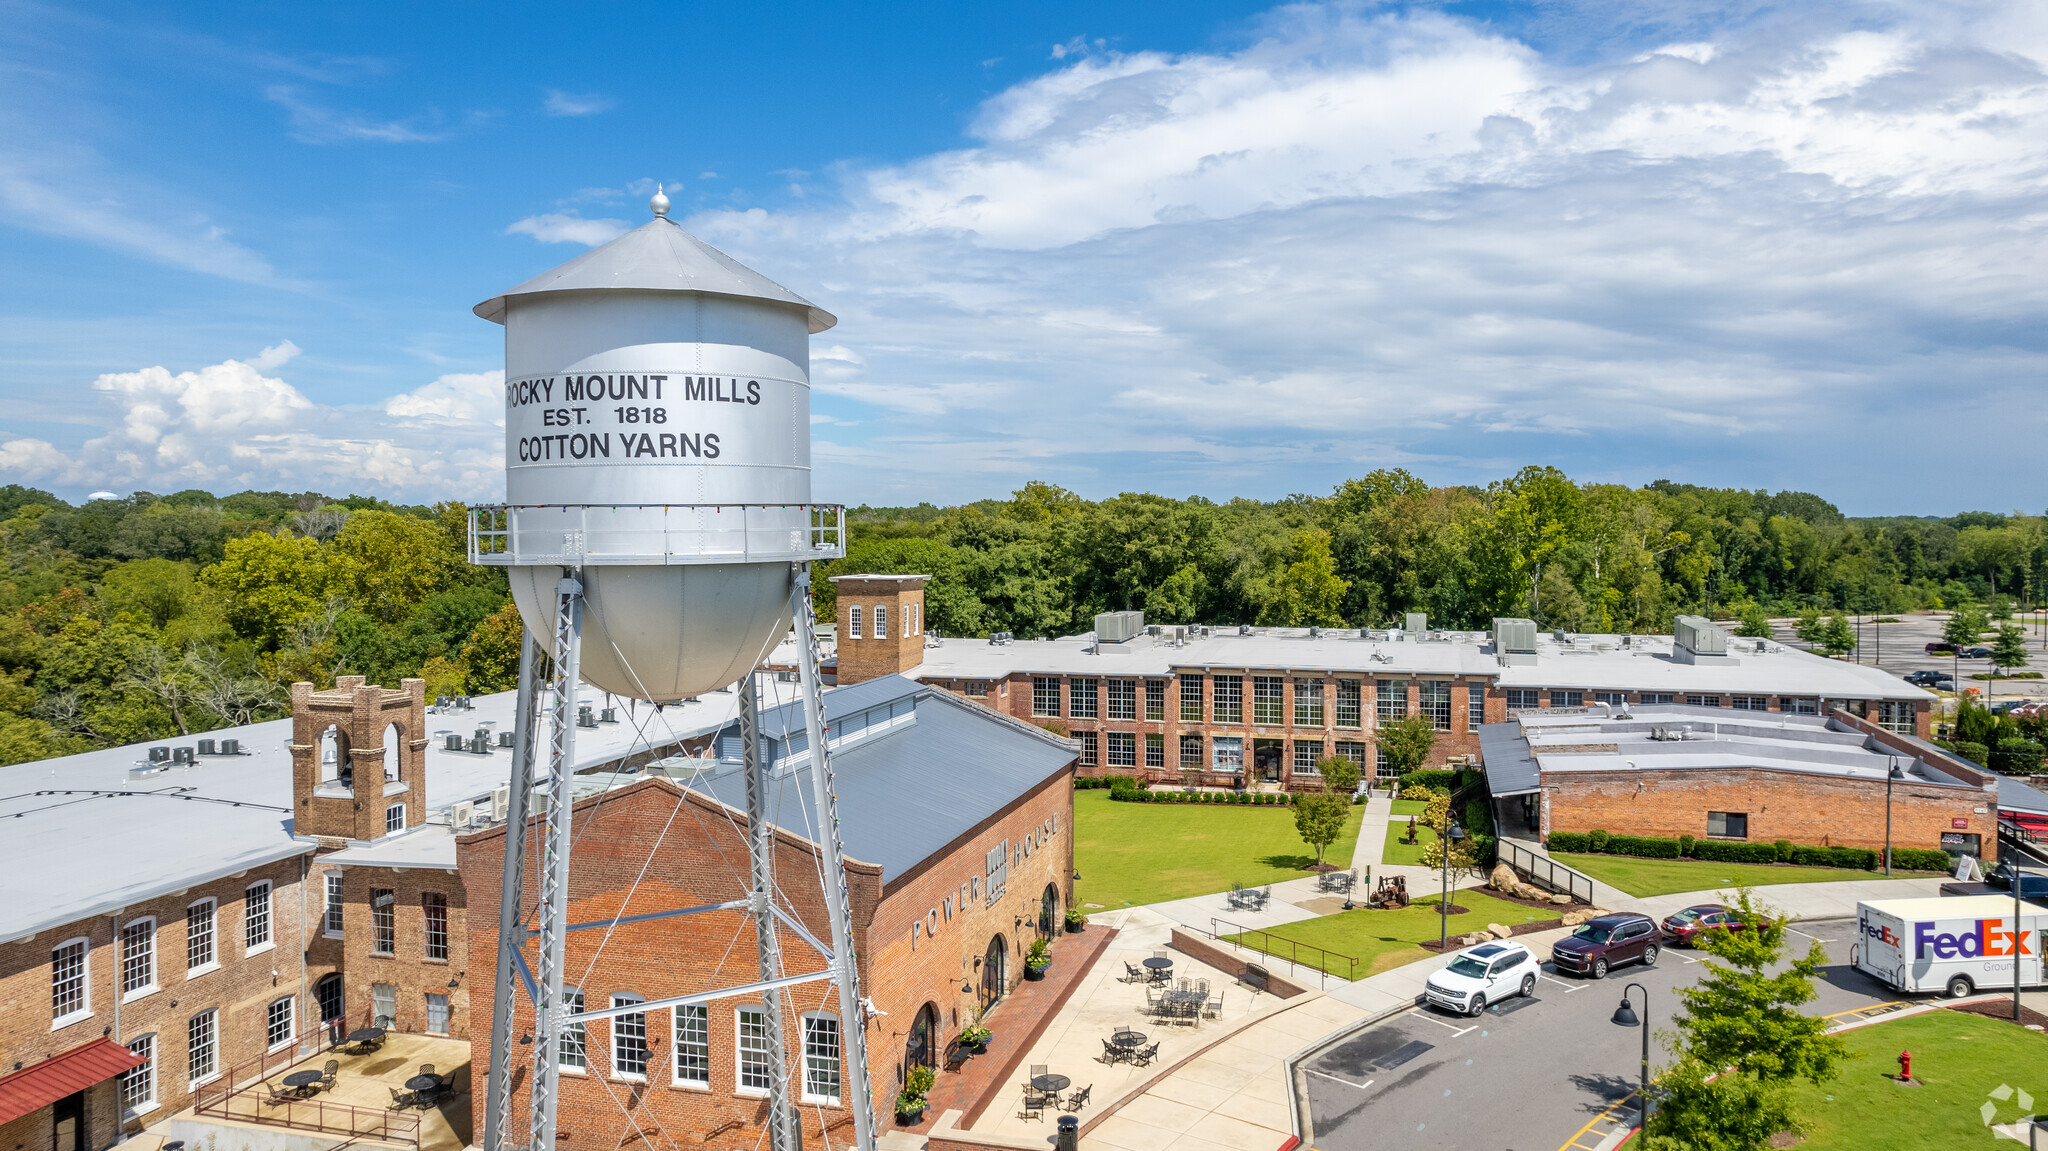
1456, 1029
1345, 1082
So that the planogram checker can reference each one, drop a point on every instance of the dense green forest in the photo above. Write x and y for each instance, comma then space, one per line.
152, 616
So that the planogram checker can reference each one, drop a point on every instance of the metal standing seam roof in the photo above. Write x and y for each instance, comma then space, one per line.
66, 1073
658, 256
1510, 769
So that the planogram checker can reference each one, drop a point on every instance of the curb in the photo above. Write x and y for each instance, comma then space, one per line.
1297, 1094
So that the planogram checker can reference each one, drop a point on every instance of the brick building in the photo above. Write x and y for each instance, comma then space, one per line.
1250, 705
1718, 773
955, 825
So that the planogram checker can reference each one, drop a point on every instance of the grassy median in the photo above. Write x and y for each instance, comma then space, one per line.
1385, 939
1131, 853
1643, 878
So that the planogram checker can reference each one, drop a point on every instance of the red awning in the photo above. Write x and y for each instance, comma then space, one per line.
75, 1070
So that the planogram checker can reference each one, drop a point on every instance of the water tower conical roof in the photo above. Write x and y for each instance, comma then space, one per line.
658, 256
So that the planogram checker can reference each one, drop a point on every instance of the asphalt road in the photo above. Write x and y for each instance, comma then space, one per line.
1528, 1074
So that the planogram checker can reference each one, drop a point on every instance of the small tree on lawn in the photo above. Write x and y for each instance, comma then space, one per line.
1743, 1014
1837, 637
1965, 625
1340, 774
1319, 817
1407, 742
2009, 650
1437, 817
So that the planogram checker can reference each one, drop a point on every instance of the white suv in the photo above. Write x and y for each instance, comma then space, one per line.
1484, 974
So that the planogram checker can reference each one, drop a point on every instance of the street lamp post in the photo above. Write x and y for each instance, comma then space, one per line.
1443, 907
1890, 777
2017, 875
1625, 1016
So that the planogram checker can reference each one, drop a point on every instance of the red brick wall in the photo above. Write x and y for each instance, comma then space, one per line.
1796, 806
241, 989
872, 656
407, 968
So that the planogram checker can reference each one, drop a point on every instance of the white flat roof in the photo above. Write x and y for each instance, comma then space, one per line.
1675, 737
1585, 662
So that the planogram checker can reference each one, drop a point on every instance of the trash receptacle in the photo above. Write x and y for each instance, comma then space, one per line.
1070, 1133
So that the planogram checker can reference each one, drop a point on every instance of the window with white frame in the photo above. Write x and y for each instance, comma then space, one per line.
629, 1038
573, 1052
976, 689
881, 621
394, 818
67, 981
333, 923
1750, 702
1892, 715
1308, 703
1227, 699
1122, 699
1475, 704
1703, 701
1155, 749
1562, 698
1191, 699
1227, 753
1155, 701
1087, 739
1348, 696
256, 916
753, 1051
437, 1013
1393, 699
1524, 698
693, 1045
1307, 752
1267, 697
138, 957
1798, 706
202, 1047
383, 921
1433, 698
821, 1059
281, 1022
1354, 751
1081, 697
853, 622
1657, 697
1191, 752
138, 1083
200, 951
1616, 698
1045, 695
434, 913
384, 1005
1123, 749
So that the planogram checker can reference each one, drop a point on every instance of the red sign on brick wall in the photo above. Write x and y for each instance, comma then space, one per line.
1958, 823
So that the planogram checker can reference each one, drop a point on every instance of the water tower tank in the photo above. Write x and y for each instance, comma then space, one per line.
657, 436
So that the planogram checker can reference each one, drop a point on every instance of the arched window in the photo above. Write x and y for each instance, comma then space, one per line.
334, 762
921, 1048
394, 743
1048, 912
993, 963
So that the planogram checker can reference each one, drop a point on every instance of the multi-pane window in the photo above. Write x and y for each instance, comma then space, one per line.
333, 923
1045, 695
1750, 702
202, 1046
1268, 700
1123, 749
67, 979
1384, 769
256, 916
629, 1038
1227, 699
1703, 701
753, 1049
1122, 698
1615, 698
199, 927
1523, 697
138, 956
437, 1013
1657, 697
1191, 699
394, 818
1728, 824
881, 621
1796, 705
977, 689
1087, 739
1308, 703
1433, 697
1155, 749
1353, 751
1191, 752
1347, 703
138, 1083
280, 1023
1228, 753
821, 1059
573, 1054
853, 622
693, 1045
1155, 700
1559, 697
384, 1005
1895, 716
1307, 752
1475, 704
1081, 697
1393, 699
434, 905
383, 921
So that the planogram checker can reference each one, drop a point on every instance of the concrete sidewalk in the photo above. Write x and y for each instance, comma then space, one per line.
1803, 900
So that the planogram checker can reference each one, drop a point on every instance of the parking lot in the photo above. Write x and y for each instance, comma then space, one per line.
1534, 1074
1902, 647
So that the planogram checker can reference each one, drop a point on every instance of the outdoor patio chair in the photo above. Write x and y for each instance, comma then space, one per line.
400, 1100
1135, 974
279, 1095
426, 1069
1079, 1099
1214, 1008
1254, 977
329, 1071
1145, 1057
1034, 1104
1111, 1053
1202, 985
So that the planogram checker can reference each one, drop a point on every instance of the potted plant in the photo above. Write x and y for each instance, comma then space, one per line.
910, 1102
1036, 959
1076, 921
973, 1039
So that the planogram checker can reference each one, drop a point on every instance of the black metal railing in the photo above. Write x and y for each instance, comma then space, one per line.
1545, 872
1296, 954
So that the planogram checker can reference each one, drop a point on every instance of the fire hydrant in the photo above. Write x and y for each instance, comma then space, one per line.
1905, 1066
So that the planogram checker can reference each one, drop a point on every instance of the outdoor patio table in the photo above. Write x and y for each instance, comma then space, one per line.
1128, 1038
1051, 1083
423, 1083
301, 1081
366, 1035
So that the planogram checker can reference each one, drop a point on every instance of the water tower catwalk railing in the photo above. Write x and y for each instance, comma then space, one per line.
575, 537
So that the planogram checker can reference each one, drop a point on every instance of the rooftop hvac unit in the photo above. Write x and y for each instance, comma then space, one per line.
454, 742
608, 715
182, 755
231, 747
1415, 623
1699, 636
584, 718
479, 745
1514, 636
501, 800
1118, 626
463, 814
462, 701
1315, 632
440, 701
159, 755
537, 804
1244, 629
504, 739
206, 747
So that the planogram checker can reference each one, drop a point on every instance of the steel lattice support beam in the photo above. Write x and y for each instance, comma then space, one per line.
511, 924
783, 1134
552, 908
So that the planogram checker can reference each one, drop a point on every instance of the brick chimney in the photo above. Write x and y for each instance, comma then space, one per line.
881, 625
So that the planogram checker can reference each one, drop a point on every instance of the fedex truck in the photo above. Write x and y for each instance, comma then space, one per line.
1956, 945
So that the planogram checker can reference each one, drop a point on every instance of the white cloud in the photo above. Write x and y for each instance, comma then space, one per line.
559, 103
313, 124
563, 228
275, 356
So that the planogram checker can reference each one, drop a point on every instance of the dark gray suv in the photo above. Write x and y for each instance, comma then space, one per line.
1609, 941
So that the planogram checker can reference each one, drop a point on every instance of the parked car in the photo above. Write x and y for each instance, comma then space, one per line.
1941, 647
1976, 653
1684, 928
1928, 678
1609, 941
1481, 975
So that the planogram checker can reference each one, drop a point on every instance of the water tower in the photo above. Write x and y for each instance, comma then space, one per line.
657, 531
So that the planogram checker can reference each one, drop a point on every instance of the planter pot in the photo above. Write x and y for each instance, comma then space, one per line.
907, 1117
975, 1048
1034, 974
1077, 928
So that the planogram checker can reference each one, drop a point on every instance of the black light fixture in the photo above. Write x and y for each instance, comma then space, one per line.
1625, 1015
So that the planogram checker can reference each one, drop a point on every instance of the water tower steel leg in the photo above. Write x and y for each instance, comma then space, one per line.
783, 1134
854, 1085
511, 924
552, 907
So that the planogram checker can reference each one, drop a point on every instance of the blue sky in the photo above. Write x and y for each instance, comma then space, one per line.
1218, 248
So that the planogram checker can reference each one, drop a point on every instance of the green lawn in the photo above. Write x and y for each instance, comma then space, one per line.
1387, 939
1959, 1060
1409, 807
1148, 852
1396, 851
1646, 877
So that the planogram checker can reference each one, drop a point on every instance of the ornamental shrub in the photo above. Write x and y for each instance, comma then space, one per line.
1685, 844
1570, 841
1783, 849
2016, 755
1642, 846
1920, 859
1597, 840
1723, 851
1976, 753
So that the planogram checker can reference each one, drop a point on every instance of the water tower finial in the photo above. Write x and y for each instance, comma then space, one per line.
660, 201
